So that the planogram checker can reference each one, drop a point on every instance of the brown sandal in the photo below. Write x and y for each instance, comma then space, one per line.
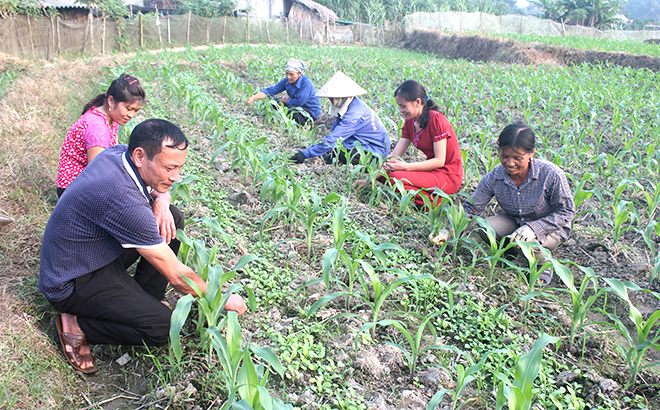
75, 341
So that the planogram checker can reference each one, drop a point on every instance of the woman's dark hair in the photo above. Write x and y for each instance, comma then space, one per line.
150, 134
124, 88
518, 137
410, 90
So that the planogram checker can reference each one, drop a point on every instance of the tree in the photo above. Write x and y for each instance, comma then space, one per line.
108, 8
646, 11
207, 8
592, 13
12, 7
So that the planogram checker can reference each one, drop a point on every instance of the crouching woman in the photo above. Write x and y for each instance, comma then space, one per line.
534, 195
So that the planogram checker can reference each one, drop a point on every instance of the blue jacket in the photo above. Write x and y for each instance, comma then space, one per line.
301, 94
359, 123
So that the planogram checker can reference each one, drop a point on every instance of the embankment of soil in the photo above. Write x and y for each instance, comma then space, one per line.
487, 49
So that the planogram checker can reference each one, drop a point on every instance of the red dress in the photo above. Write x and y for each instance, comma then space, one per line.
90, 130
449, 177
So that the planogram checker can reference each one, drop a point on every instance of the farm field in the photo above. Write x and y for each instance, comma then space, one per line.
589, 43
360, 309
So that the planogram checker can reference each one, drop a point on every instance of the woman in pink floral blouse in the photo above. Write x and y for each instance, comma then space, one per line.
97, 128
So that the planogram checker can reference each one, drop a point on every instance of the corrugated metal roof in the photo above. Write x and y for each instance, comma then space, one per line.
72, 3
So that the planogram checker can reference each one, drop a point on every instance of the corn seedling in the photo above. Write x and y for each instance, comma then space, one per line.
580, 304
239, 371
211, 304
463, 378
374, 293
643, 341
413, 349
518, 393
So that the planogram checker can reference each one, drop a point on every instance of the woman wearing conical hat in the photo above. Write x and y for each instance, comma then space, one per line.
355, 123
303, 104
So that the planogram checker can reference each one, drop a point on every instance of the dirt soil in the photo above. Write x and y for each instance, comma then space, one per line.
486, 49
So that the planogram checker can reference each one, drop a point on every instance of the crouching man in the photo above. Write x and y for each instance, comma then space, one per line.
116, 211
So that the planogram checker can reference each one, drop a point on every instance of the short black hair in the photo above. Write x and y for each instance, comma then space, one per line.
517, 136
150, 134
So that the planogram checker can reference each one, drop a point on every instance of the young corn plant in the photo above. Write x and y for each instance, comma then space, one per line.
518, 393
643, 340
210, 304
374, 292
495, 250
353, 262
582, 300
414, 347
463, 378
242, 377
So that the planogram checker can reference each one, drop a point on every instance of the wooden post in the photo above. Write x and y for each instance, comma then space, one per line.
301, 28
169, 39
334, 26
261, 32
103, 38
160, 37
224, 27
327, 30
48, 43
86, 33
91, 31
57, 25
247, 30
31, 38
121, 47
267, 31
141, 31
52, 37
188, 31
207, 33
130, 11
287, 31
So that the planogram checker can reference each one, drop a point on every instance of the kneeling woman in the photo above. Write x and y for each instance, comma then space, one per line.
355, 123
533, 193
429, 131
303, 104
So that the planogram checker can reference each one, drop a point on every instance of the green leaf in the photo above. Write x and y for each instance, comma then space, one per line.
436, 399
267, 355
178, 319
529, 365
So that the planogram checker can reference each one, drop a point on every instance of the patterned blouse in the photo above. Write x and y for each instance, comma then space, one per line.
90, 130
544, 201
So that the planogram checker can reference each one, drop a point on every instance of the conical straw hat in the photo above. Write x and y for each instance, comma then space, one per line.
340, 85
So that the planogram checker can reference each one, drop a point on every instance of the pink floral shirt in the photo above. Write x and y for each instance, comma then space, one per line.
90, 130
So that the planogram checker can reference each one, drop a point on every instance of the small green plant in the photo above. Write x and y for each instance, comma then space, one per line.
373, 294
580, 304
240, 374
643, 340
413, 349
518, 393
463, 378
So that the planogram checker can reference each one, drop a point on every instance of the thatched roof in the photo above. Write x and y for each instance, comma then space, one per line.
323, 13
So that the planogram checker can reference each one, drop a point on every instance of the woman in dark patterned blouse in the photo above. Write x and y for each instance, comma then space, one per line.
534, 195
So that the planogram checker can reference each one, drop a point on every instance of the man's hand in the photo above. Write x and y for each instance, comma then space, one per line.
298, 158
524, 233
236, 304
164, 218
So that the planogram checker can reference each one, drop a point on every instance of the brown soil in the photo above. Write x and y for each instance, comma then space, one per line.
486, 49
